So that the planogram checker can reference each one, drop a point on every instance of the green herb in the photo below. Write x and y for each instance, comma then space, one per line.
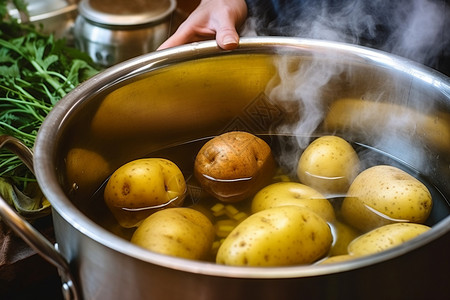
36, 71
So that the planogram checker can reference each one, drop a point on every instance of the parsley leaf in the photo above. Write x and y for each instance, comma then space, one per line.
36, 70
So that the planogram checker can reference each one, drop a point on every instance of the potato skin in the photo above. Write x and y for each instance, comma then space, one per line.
343, 236
279, 236
385, 237
336, 259
86, 170
143, 186
329, 164
293, 193
234, 166
384, 194
179, 231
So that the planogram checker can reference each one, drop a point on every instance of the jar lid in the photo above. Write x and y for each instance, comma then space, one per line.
125, 12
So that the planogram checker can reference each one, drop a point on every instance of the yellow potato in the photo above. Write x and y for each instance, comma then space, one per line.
384, 194
343, 234
141, 187
293, 193
336, 259
179, 231
234, 166
86, 171
385, 237
279, 236
365, 117
329, 164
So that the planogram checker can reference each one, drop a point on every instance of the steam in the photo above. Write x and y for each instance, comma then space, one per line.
301, 89
425, 33
415, 29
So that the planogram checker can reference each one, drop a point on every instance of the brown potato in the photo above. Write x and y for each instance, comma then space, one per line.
234, 166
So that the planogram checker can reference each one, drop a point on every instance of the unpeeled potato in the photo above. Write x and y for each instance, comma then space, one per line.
234, 166
86, 170
143, 186
329, 164
385, 237
385, 194
293, 193
343, 235
336, 259
179, 231
279, 236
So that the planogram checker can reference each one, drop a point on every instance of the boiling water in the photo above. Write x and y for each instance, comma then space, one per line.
282, 146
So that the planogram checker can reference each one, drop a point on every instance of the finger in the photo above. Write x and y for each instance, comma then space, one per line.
225, 23
175, 40
227, 38
186, 33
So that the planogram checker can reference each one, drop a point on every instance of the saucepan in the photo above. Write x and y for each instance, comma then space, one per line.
293, 88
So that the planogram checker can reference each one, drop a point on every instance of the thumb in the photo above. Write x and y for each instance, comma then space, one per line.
227, 38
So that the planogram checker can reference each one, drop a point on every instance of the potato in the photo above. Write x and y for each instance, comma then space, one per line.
179, 231
279, 236
86, 171
234, 166
293, 193
329, 164
385, 237
356, 117
143, 186
343, 235
384, 194
336, 259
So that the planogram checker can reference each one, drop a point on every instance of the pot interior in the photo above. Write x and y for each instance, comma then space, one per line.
288, 91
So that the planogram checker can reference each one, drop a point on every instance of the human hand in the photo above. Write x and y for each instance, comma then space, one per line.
212, 18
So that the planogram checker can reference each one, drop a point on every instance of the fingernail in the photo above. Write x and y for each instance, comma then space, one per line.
229, 40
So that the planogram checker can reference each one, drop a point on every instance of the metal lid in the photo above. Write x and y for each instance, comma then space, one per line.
40, 7
125, 12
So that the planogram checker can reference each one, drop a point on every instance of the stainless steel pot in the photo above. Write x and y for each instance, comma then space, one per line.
55, 16
197, 90
114, 31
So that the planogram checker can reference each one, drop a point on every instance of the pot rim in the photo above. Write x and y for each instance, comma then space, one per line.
91, 14
50, 129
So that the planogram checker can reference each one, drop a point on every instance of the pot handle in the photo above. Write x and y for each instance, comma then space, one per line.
27, 232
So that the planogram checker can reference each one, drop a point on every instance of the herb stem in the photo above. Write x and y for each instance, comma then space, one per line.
36, 70
48, 78
18, 132
33, 104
